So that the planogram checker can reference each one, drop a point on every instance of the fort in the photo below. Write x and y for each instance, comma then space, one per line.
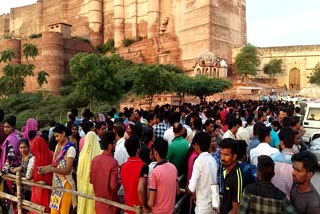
171, 31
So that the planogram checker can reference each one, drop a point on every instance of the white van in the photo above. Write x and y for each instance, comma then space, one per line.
311, 120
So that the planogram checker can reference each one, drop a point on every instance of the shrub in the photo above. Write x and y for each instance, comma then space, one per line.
127, 42
34, 36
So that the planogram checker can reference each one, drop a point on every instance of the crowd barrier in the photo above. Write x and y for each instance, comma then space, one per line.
27, 205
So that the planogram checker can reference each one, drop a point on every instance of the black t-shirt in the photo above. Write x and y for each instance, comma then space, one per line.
233, 185
305, 202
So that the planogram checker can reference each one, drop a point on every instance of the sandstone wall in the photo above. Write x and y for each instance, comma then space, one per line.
303, 58
228, 26
4, 25
55, 53
23, 21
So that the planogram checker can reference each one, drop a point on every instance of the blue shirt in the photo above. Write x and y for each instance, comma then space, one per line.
283, 157
249, 173
275, 141
253, 143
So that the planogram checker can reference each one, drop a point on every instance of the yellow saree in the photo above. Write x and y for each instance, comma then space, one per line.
90, 150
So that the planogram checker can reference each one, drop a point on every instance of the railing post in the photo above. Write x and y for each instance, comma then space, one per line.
19, 199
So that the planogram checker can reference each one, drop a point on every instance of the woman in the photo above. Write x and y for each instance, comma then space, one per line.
75, 137
42, 157
12, 140
60, 202
90, 150
9, 155
31, 125
24, 148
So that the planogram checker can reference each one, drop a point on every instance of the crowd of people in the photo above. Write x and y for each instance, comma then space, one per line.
228, 157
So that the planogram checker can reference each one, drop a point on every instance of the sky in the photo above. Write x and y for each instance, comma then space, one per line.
269, 22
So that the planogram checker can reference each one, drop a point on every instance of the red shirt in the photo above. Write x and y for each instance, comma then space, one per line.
104, 178
130, 173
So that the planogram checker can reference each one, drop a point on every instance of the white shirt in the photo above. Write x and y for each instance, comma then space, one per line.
250, 130
204, 174
121, 154
243, 134
169, 135
261, 149
228, 134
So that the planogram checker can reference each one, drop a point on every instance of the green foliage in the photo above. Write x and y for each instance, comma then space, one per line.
81, 39
127, 42
181, 85
94, 77
8, 36
273, 67
315, 77
34, 36
30, 50
7, 55
203, 86
13, 80
150, 80
247, 60
106, 47
42, 78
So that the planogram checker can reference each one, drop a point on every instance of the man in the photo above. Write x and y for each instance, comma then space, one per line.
169, 134
163, 183
304, 196
249, 128
209, 127
104, 175
255, 140
264, 197
263, 148
283, 163
296, 125
120, 154
242, 133
196, 127
232, 177
178, 148
162, 126
233, 127
249, 171
101, 128
151, 119
204, 174
134, 175
274, 141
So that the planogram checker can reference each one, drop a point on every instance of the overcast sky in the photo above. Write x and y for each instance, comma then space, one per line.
269, 22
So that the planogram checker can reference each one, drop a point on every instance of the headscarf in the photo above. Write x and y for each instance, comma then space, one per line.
90, 150
42, 157
31, 125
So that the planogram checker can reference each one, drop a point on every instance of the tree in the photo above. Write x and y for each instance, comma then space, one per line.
181, 85
42, 78
30, 50
247, 60
273, 67
203, 86
315, 76
13, 80
151, 80
7, 55
94, 78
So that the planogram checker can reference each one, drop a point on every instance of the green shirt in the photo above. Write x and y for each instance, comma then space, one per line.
177, 151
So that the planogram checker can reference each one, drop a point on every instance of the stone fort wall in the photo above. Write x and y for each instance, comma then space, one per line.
54, 55
298, 63
172, 31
